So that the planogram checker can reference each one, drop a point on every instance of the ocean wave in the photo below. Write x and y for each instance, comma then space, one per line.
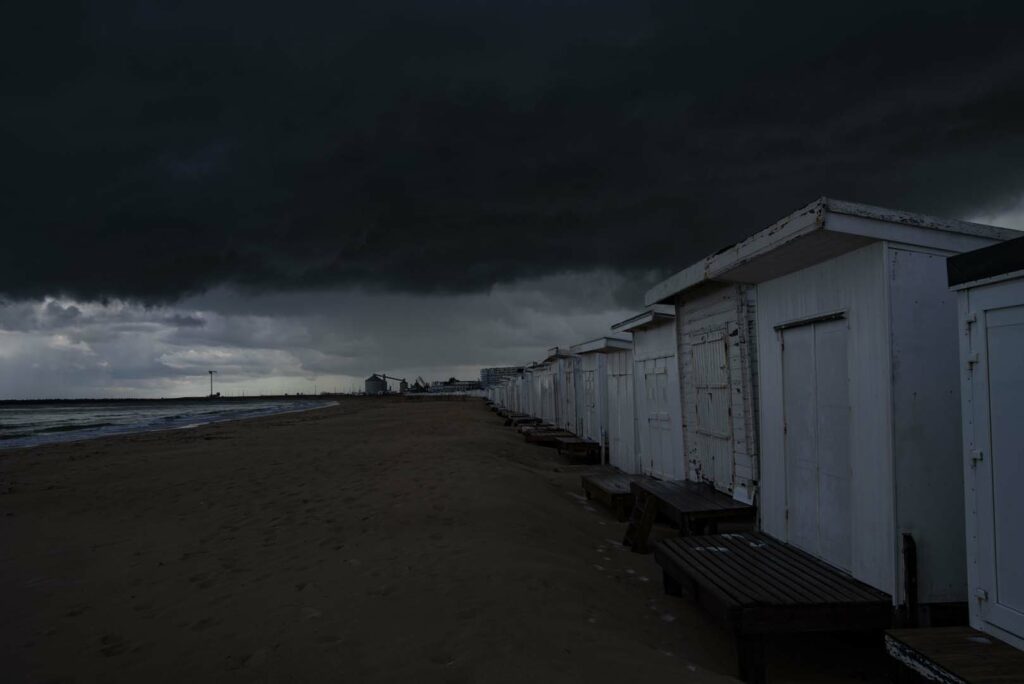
73, 427
51, 427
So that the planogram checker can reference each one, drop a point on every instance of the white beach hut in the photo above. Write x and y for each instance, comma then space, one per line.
621, 410
717, 350
543, 392
564, 365
569, 391
592, 402
659, 442
990, 283
519, 394
857, 377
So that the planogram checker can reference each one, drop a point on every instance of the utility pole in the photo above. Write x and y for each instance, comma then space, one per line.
211, 381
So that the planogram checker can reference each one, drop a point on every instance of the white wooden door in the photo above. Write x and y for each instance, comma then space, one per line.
656, 443
816, 411
569, 413
710, 445
997, 384
590, 428
621, 418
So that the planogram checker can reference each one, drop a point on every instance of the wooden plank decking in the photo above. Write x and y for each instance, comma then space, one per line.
578, 450
612, 489
959, 655
523, 420
535, 427
546, 437
693, 507
758, 585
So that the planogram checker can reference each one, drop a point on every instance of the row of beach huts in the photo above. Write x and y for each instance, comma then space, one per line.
832, 413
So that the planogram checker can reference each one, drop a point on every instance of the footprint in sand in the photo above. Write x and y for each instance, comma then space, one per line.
205, 623
112, 645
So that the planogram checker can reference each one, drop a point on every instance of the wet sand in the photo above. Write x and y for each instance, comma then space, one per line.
377, 540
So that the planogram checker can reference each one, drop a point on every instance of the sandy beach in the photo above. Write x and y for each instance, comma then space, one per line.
376, 540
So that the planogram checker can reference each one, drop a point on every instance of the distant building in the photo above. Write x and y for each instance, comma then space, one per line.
453, 385
493, 376
376, 384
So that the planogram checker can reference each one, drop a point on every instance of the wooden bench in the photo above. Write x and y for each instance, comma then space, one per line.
758, 585
958, 655
523, 420
578, 450
527, 428
693, 507
612, 489
546, 437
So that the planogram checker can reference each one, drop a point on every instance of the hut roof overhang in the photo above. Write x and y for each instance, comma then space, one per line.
602, 345
556, 353
986, 265
823, 229
655, 314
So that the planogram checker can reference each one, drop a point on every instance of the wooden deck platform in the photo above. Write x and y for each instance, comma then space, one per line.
534, 427
546, 437
693, 507
959, 655
578, 450
611, 489
523, 420
758, 585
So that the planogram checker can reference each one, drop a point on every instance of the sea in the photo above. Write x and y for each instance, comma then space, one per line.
25, 424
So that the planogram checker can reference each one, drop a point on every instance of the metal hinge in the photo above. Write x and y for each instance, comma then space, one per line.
972, 359
981, 594
976, 455
968, 319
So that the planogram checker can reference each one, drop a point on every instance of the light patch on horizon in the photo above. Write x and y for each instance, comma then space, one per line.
277, 343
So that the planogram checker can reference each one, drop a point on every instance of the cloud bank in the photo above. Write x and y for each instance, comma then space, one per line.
155, 151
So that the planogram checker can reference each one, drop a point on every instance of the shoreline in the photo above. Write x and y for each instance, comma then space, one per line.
148, 428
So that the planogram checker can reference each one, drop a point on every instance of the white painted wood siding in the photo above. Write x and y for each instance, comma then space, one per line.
621, 413
568, 379
992, 374
720, 315
656, 397
926, 443
854, 283
593, 400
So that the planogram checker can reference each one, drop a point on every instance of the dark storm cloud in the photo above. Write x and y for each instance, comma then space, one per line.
153, 150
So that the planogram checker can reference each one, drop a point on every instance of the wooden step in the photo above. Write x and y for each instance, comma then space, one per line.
957, 655
611, 489
645, 510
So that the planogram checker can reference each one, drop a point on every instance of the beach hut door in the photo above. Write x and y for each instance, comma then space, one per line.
659, 450
590, 422
997, 460
816, 408
711, 448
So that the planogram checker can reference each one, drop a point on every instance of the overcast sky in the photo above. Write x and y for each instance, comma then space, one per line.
300, 192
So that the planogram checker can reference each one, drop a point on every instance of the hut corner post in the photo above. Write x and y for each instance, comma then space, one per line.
909, 617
